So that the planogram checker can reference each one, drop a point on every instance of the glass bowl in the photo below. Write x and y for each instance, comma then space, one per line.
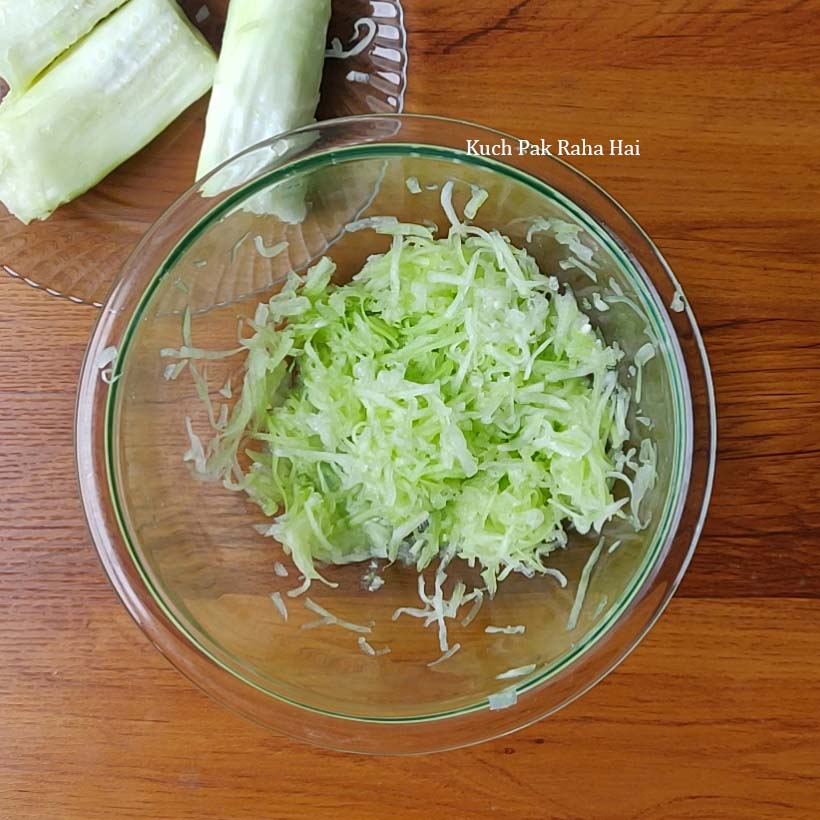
183, 554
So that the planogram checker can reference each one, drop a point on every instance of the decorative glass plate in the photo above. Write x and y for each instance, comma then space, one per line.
77, 252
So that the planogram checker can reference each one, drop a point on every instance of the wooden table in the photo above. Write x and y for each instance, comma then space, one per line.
717, 714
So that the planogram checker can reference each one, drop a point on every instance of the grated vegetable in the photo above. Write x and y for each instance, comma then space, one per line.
478, 596
449, 395
369, 650
583, 583
505, 630
450, 401
302, 588
558, 575
371, 580
518, 672
446, 656
268, 253
337, 50
328, 618
599, 303
503, 699
478, 196
643, 355
172, 371
437, 609
357, 77
105, 364
276, 597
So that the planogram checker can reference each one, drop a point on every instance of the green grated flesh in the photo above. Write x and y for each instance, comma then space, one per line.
451, 399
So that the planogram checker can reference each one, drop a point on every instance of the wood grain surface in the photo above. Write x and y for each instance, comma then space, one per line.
717, 713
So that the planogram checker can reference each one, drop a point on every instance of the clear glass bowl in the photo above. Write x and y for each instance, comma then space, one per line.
183, 554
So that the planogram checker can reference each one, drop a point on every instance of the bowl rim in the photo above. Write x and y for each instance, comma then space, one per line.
96, 495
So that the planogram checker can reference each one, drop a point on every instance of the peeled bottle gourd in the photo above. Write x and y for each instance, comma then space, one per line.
102, 101
269, 74
33, 33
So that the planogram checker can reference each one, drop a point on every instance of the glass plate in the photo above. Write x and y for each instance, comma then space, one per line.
78, 251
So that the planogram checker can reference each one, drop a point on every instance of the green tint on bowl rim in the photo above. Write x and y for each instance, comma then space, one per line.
675, 499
